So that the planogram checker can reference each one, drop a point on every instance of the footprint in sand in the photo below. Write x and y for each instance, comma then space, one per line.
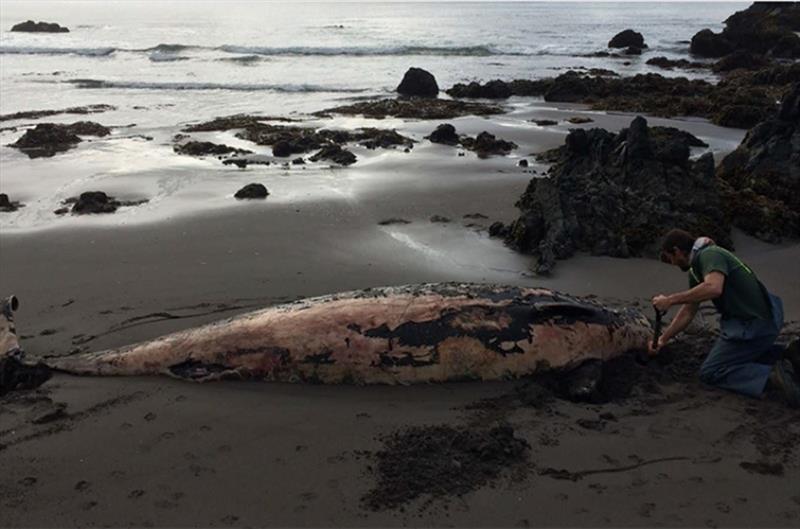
89, 505
125, 426
723, 507
136, 493
167, 435
82, 485
27, 481
308, 496
229, 519
205, 428
165, 504
224, 449
150, 416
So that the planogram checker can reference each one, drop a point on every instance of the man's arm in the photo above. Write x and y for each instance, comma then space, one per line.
682, 320
710, 288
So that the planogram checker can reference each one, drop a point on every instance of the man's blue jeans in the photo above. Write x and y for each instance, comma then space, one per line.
743, 355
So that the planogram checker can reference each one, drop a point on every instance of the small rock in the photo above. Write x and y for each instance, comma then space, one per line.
252, 191
626, 39
29, 26
444, 133
418, 82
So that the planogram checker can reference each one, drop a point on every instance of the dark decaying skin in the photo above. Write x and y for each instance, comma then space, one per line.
393, 335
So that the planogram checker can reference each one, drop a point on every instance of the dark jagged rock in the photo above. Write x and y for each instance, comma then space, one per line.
486, 144
92, 202
492, 90
740, 59
763, 175
418, 82
251, 191
241, 163
373, 138
578, 120
498, 229
298, 161
6, 205
523, 163
36, 114
204, 148
439, 219
768, 28
444, 133
237, 121
545, 122
632, 50
413, 108
336, 154
29, 26
614, 194
663, 62
706, 43
626, 39
47, 139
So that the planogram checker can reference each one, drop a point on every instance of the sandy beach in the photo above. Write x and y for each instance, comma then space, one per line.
153, 451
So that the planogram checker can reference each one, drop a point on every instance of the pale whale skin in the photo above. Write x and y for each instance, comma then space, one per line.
395, 335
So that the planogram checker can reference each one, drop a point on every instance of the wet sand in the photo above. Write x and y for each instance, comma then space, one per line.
159, 452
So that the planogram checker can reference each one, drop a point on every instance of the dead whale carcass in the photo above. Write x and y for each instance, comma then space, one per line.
417, 333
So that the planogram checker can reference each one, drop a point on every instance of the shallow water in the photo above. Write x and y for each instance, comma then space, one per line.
189, 61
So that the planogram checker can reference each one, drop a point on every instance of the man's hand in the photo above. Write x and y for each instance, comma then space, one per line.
661, 303
652, 351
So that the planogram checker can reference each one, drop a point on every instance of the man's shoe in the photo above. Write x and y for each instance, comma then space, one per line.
792, 354
783, 378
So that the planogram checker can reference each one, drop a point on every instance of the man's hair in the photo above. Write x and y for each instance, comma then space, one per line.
680, 239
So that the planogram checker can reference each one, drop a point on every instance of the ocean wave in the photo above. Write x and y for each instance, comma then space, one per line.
244, 59
29, 50
169, 48
167, 57
143, 85
361, 51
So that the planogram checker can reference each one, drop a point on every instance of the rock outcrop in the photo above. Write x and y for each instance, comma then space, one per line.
252, 191
48, 139
615, 194
444, 134
29, 26
763, 175
420, 108
93, 202
626, 39
6, 205
484, 144
335, 154
418, 82
205, 148
768, 28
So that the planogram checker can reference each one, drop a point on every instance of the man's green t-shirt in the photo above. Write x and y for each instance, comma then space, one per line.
743, 297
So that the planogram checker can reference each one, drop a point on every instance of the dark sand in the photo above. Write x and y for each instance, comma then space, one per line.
155, 451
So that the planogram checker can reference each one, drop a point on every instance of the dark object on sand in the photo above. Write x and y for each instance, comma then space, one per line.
498, 229
418, 82
29, 26
92, 202
252, 191
47, 139
768, 28
444, 133
579, 120
626, 39
6, 205
604, 195
441, 461
763, 467
763, 175
393, 220
439, 218
14, 373
545, 122
336, 154
204, 148
486, 144
298, 161
241, 163
522, 163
